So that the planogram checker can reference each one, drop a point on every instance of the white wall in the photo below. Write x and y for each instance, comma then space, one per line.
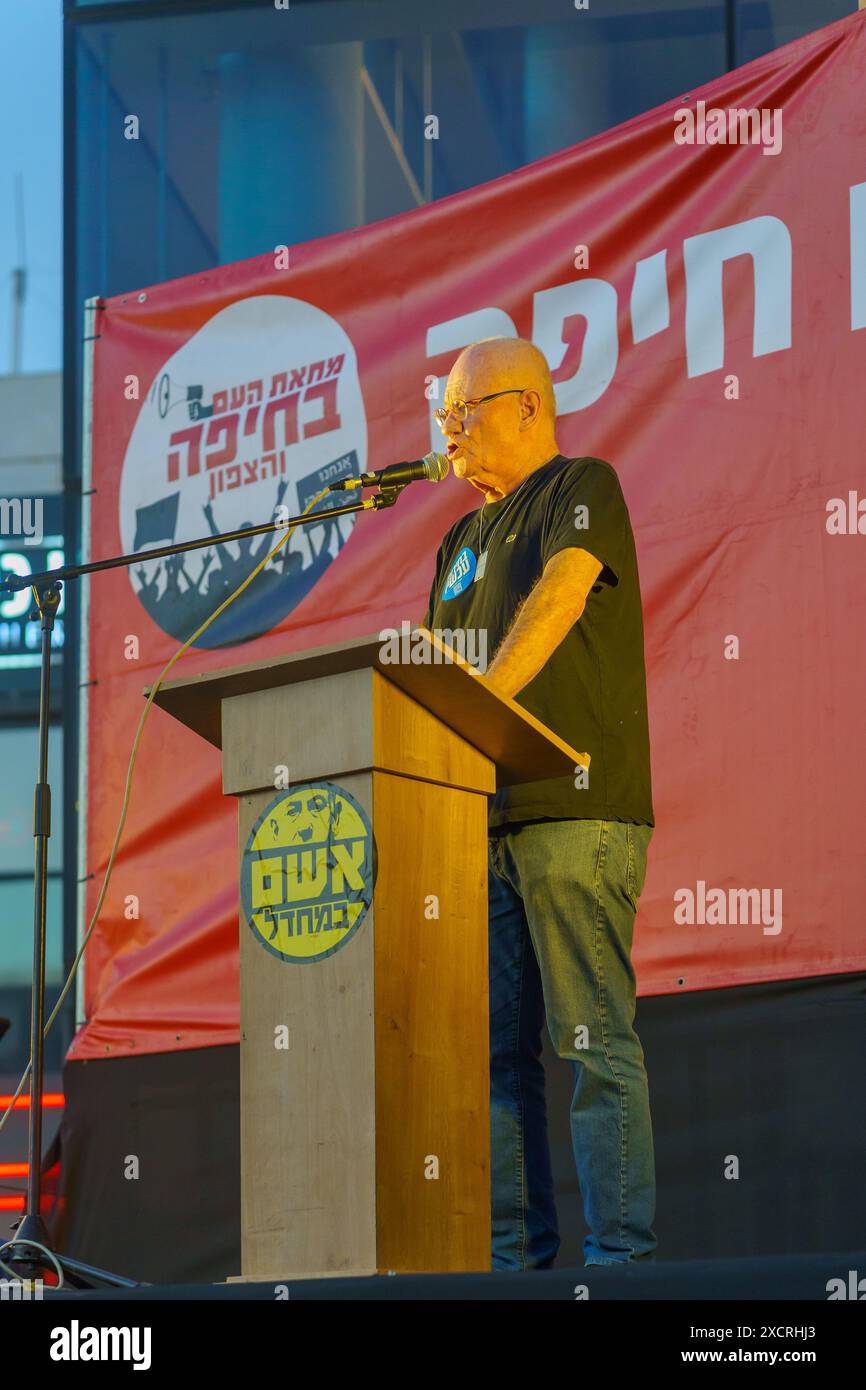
31, 462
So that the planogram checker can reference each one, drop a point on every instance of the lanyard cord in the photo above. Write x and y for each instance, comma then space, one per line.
499, 518
505, 509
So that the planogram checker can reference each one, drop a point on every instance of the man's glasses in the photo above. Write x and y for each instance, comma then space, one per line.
459, 409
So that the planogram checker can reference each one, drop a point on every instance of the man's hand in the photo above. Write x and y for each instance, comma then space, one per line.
544, 618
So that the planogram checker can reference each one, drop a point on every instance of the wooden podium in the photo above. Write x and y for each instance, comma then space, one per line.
364, 1086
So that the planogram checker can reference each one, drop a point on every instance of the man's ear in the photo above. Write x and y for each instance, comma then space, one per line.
530, 408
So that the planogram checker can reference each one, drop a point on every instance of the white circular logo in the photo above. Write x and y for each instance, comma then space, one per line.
260, 409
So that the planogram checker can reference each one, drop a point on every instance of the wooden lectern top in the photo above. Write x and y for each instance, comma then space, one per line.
523, 749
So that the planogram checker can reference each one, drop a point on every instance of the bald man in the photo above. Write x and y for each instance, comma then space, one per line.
546, 569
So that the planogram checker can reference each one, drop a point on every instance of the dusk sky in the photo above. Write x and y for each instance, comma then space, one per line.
32, 145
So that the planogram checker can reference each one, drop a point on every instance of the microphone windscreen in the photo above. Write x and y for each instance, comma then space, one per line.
437, 467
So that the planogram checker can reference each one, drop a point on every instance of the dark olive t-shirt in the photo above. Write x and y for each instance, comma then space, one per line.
592, 689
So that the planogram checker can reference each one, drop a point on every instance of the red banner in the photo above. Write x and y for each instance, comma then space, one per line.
697, 281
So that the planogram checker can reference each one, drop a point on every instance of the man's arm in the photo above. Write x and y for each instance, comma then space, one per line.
546, 615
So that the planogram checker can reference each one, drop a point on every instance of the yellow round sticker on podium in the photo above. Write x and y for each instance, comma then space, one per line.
308, 872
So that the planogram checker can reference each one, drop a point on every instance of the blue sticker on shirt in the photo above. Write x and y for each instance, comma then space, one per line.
460, 575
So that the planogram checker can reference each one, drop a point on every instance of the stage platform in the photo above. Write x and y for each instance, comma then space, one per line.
776, 1279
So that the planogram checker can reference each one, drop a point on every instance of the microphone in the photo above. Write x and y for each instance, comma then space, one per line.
430, 469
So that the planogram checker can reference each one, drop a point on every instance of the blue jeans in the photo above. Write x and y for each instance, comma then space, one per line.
562, 901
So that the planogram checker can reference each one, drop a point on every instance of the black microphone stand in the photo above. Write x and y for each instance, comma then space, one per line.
30, 1231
